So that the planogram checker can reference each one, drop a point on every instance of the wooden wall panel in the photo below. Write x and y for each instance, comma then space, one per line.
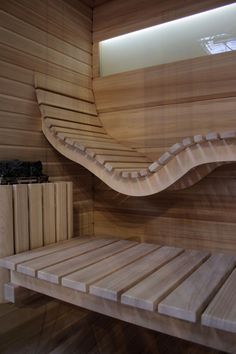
114, 18
153, 108
54, 38
202, 216
21, 218
202, 78
153, 130
6, 232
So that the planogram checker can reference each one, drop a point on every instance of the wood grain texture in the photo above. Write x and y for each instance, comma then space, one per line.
221, 313
114, 18
30, 34
112, 286
196, 333
49, 213
61, 211
70, 116
6, 232
21, 218
11, 262
175, 102
173, 167
167, 83
190, 298
45, 324
60, 86
35, 215
70, 219
32, 266
149, 292
81, 279
200, 217
155, 273
54, 273
54, 99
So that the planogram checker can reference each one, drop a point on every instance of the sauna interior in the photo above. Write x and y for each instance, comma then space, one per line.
118, 176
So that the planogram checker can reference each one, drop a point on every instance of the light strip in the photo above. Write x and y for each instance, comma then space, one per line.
184, 38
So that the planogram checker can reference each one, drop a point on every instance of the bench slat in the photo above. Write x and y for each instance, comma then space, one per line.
154, 288
11, 262
56, 100
31, 267
221, 313
112, 286
55, 272
50, 83
68, 116
81, 279
189, 299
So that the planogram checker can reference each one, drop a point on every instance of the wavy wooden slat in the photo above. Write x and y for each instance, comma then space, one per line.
123, 168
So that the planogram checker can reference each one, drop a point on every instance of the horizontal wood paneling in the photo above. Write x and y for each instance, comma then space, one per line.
184, 81
52, 38
21, 43
152, 109
18, 58
55, 12
18, 26
202, 216
153, 130
114, 18
99, 2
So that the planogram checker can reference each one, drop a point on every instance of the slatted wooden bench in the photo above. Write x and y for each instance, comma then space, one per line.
71, 124
186, 293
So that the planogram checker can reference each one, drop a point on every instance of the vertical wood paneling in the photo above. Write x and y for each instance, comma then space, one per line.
6, 232
49, 215
61, 211
21, 218
69, 190
35, 215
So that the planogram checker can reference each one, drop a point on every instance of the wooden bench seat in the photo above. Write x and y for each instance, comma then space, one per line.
71, 124
168, 289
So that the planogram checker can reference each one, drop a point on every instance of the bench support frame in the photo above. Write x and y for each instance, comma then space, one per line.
196, 333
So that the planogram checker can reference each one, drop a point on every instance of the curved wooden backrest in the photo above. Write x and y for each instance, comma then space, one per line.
72, 126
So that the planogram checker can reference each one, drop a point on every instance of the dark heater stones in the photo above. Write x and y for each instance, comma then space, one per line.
16, 171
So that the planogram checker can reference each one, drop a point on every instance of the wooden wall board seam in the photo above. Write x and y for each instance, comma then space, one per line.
49, 55
26, 60
47, 12
11, 22
52, 28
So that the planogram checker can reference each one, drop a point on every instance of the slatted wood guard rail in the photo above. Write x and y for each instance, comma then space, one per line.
72, 126
186, 293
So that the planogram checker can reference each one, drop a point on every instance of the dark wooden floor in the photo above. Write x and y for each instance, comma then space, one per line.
41, 325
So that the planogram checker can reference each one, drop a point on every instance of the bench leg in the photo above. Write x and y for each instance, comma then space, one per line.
17, 294
4, 278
